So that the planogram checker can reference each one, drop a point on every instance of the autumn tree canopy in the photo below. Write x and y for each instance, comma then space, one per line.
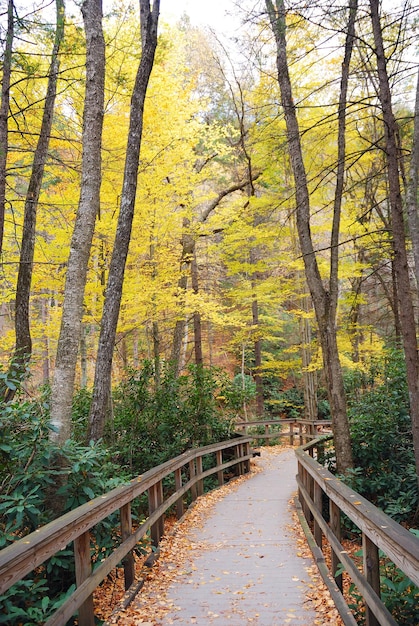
267, 231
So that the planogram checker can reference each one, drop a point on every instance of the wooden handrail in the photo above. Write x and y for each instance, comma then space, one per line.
23, 556
378, 531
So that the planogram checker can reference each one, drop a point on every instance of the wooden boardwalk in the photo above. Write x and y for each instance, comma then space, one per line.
243, 564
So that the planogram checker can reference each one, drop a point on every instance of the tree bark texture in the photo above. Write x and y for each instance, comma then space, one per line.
406, 310
103, 371
89, 203
324, 301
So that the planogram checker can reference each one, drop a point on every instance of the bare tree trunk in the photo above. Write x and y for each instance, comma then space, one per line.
412, 188
4, 114
89, 202
197, 325
188, 250
324, 301
407, 318
309, 376
45, 343
257, 349
102, 383
23, 347
83, 356
156, 355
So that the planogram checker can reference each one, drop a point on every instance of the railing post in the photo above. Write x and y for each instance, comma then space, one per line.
178, 484
126, 531
371, 564
155, 498
220, 473
200, 483
266, 435
238, 450
320, 452
246, 451
192, 474
83, 564
300, 471
318, 501
300, 433
292, 424
336, 529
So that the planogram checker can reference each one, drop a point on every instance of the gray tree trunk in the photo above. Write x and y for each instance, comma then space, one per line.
324, 301
4, 114
412, 188
406, 311
89, 202
103, 371
23, 347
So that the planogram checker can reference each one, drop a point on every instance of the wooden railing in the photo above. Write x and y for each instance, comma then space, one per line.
23, 556
319, 488
300, 430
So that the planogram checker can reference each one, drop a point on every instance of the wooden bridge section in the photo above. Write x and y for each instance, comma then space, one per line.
324, 501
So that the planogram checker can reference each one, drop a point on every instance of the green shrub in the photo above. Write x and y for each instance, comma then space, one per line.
30, 475
381, 430
152, 425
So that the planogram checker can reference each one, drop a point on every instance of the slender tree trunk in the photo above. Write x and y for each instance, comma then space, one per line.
309, 376
156, 355
324, 301
89, 202
257, 349
23, 348
4, 114
188, 250
407, 318
197, 325
83, 356
103, 372
45, 344
412, 188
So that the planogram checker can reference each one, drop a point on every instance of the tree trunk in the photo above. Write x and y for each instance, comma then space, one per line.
188, 250
324, 301
309, 376
412, 188
197, 325
257, 349
4, 114
407, 318
70, 331
103, 372
23, 347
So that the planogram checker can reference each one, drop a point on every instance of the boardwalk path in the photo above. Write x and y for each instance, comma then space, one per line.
241, 564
